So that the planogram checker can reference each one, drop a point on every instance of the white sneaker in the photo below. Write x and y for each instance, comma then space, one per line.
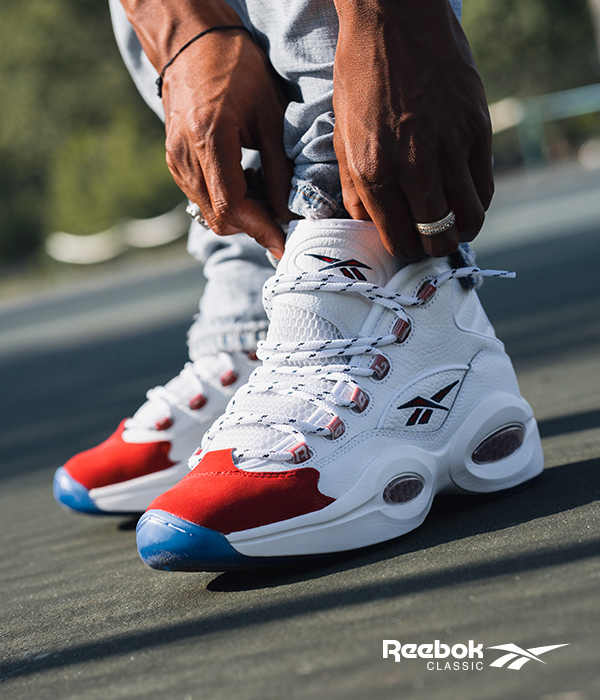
148, 453
380, 388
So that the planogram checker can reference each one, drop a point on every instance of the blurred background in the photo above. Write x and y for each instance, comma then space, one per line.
79, 150
81, 153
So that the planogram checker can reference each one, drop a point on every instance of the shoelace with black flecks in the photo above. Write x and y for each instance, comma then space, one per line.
325, 386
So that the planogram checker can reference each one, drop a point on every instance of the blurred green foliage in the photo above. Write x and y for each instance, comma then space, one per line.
531, 47
79, 149
525, 48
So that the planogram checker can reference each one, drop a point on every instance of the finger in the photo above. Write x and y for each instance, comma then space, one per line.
188, 175
397, 231
480, 167
389, 211
439, 245
277, 171
352, 201
186, 172
226, 187
428, 205
465, 202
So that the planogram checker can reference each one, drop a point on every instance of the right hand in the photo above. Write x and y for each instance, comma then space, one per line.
413, 140
221, 95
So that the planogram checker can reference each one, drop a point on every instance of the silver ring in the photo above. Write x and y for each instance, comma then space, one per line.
194, 211
437, 226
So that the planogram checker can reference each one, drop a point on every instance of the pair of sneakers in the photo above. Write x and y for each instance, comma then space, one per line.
380, 386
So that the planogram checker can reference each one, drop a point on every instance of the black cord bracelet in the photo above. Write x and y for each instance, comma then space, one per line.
219, 28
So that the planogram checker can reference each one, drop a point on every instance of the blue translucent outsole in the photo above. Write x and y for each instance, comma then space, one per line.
172, 544
72, 495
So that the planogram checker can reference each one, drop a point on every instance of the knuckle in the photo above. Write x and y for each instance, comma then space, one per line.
171, 151
171, 160
174, 144
175, 154
219, 228
364, 165
224, 211
470, 223
199, 129
226, 216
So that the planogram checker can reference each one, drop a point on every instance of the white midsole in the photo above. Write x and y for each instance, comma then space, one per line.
135, 495
361, 517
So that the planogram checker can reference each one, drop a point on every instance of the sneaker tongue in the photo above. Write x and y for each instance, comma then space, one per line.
349, 249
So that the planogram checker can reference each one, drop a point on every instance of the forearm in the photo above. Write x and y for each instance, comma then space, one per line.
164, 26
412, 14
412, 29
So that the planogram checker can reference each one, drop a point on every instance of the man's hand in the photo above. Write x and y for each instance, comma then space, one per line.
412, 128
219, 95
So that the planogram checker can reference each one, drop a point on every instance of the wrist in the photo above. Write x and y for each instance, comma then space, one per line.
164, 26
409, 17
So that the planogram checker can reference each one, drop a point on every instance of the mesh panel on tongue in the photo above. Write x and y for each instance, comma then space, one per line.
292, 323
261, 436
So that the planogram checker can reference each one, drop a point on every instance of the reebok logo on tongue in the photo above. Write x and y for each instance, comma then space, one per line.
348, 268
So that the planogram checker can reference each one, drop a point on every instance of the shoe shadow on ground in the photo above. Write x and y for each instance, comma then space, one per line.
560, 490
129, 524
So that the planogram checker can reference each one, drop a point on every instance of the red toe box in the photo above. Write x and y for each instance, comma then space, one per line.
114, 461
221, 497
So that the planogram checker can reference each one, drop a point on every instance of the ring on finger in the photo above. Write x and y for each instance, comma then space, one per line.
193, 210
436, 227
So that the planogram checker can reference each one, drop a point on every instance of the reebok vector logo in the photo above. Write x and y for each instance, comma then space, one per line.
463, 657
424, 408
520, 656
348, 268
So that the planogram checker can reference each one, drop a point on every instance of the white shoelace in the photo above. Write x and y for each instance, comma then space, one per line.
324, 385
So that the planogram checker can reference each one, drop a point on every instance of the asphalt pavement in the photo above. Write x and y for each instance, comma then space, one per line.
83, 618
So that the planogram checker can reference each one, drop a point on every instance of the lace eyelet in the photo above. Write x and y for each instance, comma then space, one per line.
197, 402
380, 366
360, 399
164, 423
401, 329
426, 292
300, 453
228, 378
337, 428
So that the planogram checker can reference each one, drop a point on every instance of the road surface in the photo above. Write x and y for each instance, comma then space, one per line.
83, 618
